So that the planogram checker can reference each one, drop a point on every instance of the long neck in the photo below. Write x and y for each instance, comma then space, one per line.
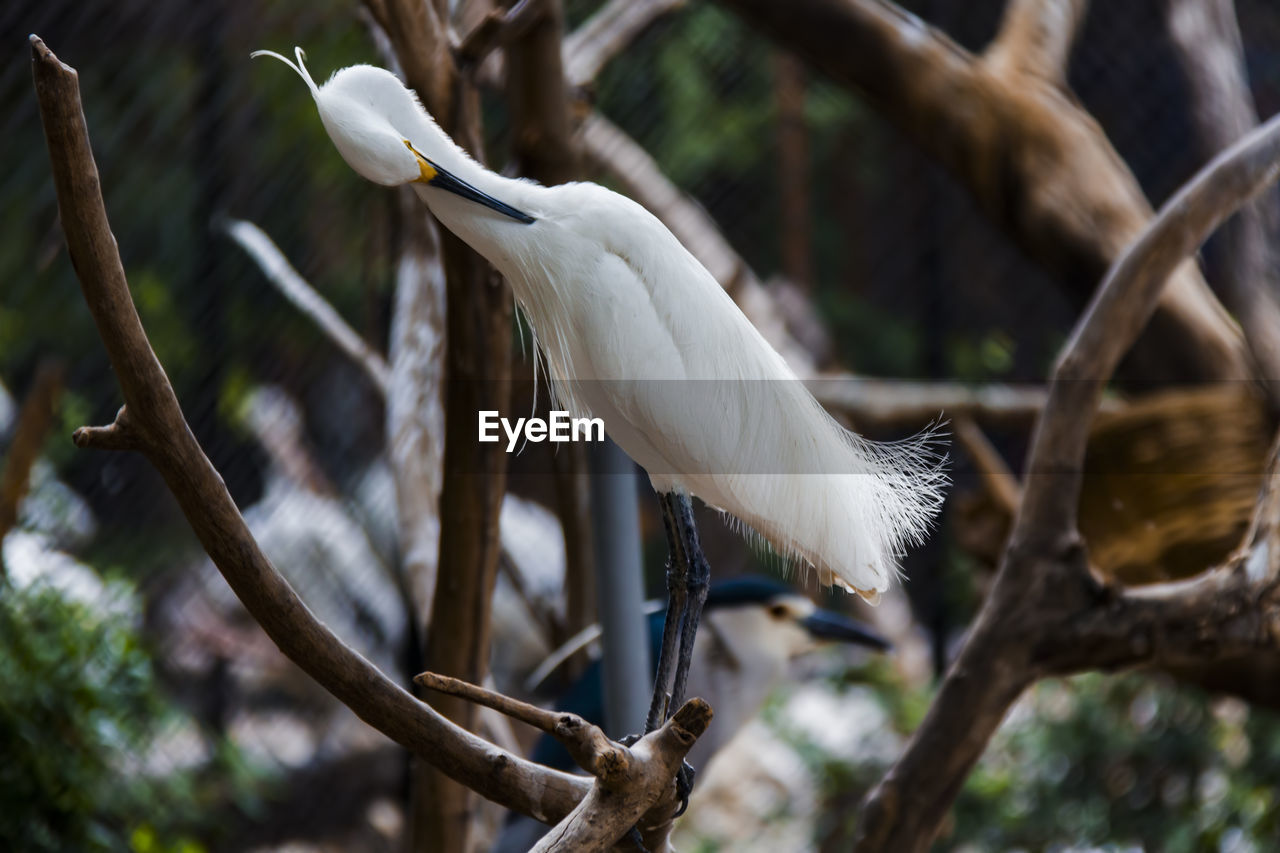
437, 145
501, 239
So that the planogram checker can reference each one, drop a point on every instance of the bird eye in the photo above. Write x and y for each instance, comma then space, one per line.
779, 611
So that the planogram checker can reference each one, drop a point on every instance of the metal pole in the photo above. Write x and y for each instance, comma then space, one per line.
615, 522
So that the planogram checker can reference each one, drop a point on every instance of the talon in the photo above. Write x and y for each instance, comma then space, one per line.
684, 786
634, 836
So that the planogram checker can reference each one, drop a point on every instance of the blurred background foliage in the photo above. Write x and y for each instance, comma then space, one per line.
908, 279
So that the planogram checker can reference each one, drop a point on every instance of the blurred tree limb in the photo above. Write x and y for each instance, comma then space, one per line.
1005, 126
35, 419
1206, 38
478, 308
1047, 614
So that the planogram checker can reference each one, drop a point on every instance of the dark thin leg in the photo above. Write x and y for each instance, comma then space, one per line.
697, 579
677, 574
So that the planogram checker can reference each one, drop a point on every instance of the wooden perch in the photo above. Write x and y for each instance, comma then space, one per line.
634, 785
152, 422
1046, 613
1008, 131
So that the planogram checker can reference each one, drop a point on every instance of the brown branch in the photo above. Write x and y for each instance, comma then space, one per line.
1207, 40
634, 787
1037, 164
118, 435
277, 269
1035, 38
497, 29
155, 421
633, 784
587, 744
1043, 590
1123, 304
34, 422
997, 479
891, 403
478, 327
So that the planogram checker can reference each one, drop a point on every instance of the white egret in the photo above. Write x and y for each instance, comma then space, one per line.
620, 309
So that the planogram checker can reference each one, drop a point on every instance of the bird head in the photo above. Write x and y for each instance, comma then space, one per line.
381, 130
770, 614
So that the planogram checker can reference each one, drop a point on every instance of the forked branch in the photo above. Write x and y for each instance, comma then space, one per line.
1046, 614
152, 421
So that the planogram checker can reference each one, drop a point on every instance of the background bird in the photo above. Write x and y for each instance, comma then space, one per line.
635, 331
753, 627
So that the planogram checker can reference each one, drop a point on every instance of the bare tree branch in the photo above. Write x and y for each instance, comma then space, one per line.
154, 423
633, 788
34, 422
1207, 40
1044, 592
1035, 38
1123, 304
277, 269
997, 479
607, 33
478, 325
883, 402
1038, 165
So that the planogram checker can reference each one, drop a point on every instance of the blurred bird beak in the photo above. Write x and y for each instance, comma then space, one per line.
828, 625
433, 175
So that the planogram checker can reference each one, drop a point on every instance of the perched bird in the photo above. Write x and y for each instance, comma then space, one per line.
635, 331
753, 627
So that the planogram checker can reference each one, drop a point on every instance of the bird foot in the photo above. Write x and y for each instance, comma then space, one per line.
684, 786
684, 776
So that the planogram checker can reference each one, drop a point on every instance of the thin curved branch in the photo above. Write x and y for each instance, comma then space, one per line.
1044, 590
892, 403
1206, 38
156, 420
1123, 304
277, 269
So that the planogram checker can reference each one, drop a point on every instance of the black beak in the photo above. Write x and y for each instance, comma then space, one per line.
828, 625
446, 181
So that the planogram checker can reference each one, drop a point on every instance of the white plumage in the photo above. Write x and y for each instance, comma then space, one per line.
635, 331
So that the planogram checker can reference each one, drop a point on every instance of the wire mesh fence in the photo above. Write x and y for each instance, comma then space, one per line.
908, 277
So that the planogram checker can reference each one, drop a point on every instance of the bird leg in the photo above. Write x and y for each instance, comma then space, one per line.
697, 583
688, 577
677, 599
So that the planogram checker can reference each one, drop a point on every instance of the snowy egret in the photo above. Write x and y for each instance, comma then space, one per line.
619, 309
